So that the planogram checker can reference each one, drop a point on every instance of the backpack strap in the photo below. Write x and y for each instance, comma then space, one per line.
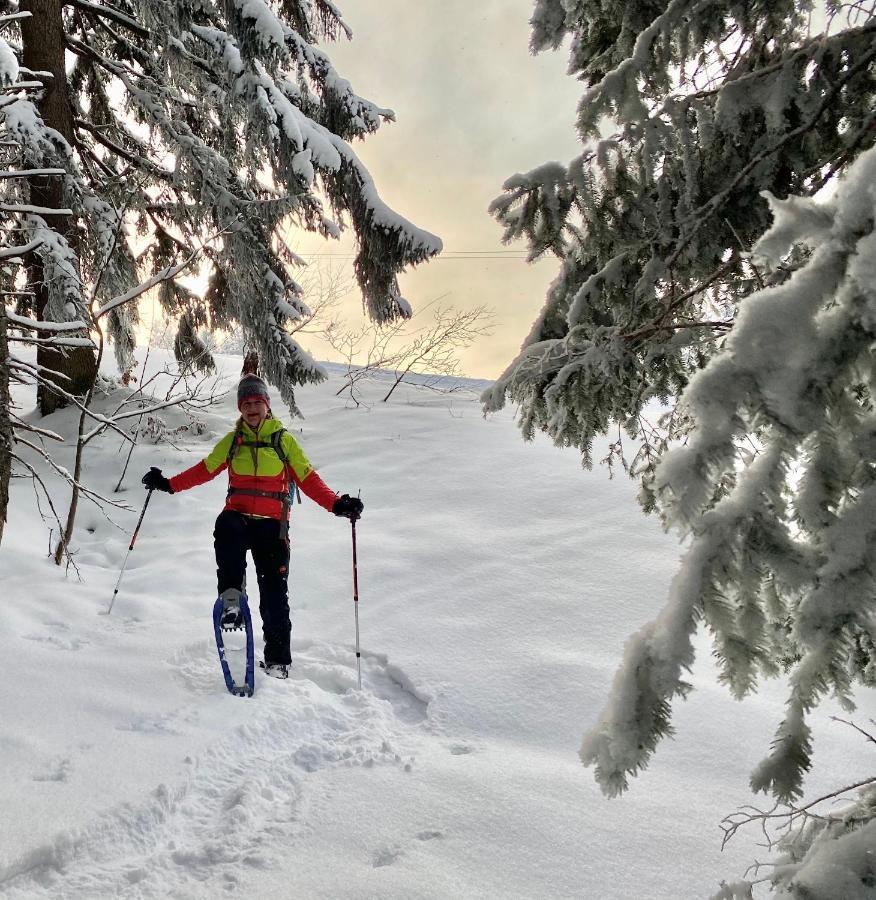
277, 445
294, 491
236, 442
291, 488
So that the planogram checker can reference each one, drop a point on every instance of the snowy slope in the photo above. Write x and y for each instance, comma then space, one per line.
498, 583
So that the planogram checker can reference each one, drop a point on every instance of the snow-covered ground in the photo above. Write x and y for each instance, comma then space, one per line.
498, 582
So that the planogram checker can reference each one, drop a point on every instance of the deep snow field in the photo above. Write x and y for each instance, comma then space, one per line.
498, 583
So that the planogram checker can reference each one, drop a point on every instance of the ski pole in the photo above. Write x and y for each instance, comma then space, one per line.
356, 605
133, 539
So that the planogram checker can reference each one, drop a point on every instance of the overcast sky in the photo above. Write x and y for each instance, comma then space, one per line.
473, 107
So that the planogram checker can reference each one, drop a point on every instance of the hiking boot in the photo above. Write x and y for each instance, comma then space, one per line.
275, 670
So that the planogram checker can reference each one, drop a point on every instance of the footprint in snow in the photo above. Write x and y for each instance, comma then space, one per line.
461, 749
430, 835
58, 643
149, 724
198, 666
333, 669
59, 770
99, 551
386, 856
330, 667
242, 804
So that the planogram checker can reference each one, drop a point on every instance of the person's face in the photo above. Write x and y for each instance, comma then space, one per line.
254, 412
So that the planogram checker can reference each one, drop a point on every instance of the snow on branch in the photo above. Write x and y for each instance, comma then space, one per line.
619, 88
166, 274
699, 216
55, 342
110, 421
31, 173
30, 209
21, 250
188, 119
39, 373
654, 225
109, 12
789, 535
38, 325
9, 68
269, 31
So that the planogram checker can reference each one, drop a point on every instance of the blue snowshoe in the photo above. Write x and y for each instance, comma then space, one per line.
232, 625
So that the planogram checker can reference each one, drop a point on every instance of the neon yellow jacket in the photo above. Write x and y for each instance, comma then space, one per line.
256, 467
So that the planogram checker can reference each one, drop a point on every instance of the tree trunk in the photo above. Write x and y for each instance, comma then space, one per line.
5, 423
43, 51
250, 364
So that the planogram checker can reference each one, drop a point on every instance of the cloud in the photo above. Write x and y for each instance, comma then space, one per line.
473, 107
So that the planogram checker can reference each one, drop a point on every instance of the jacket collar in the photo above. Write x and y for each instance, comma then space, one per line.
269, 426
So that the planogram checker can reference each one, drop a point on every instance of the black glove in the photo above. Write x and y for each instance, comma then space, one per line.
155, 481
349, 507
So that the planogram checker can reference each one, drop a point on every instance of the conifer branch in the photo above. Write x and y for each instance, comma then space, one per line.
789, 816
662, 323
139, 162
698, 219
99, 9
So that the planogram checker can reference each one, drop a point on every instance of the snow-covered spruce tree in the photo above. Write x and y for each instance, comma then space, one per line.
781, 563
53, 292
201, 124
765, 362
76, 352
707, 104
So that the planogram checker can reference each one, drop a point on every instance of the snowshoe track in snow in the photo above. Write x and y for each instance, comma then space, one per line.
330, 668
246, 798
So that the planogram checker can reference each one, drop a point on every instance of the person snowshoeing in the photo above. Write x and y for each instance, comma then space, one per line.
265, 464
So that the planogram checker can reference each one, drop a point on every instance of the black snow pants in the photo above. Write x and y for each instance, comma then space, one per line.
236, 533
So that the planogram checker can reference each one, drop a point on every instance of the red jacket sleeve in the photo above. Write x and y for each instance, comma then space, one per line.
317, 490
197, 474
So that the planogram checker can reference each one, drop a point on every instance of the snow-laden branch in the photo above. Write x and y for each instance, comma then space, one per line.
21, 249
14, 89
785, 539
54, 342
29, 209
13, 16
29, 426
111, 13
698, 218
39, 325
621, 83
118, 417
165, 274
35, 372
140, 162
30, 173
94, 496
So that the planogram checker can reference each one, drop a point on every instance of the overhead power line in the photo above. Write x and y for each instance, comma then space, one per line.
447, 254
